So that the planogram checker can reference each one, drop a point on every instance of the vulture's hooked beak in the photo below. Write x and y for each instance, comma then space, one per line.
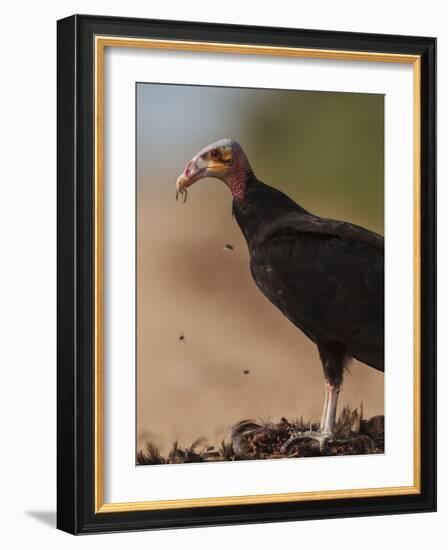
193, 172
211, 162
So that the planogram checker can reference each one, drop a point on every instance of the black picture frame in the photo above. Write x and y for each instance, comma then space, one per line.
76, 511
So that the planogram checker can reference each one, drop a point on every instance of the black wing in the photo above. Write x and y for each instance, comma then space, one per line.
327, 277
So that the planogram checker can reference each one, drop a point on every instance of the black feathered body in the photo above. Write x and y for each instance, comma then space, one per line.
326, 276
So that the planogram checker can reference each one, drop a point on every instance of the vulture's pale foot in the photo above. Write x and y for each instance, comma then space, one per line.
327, 423
323, 438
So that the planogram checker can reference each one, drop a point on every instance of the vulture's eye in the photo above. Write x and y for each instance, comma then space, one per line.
214, 154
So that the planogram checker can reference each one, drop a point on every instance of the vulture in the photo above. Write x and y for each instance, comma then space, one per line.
325, 276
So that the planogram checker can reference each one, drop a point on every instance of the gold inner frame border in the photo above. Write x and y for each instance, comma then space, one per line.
100, 43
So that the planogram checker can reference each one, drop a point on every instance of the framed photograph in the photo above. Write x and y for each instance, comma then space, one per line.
246, 274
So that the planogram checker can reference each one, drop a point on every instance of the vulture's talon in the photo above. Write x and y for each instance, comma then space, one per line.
323, 438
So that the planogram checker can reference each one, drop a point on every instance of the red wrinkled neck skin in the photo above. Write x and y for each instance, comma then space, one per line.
237, 179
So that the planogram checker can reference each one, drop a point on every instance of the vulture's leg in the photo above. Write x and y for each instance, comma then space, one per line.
324, 412
334, 358
329, 420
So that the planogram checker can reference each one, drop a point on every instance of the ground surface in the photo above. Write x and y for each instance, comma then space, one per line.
254, 440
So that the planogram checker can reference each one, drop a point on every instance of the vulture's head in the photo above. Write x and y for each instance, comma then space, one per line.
225, 160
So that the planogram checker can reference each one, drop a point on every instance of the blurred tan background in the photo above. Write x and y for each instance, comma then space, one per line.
326, 151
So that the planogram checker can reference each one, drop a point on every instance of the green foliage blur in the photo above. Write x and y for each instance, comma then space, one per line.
325, 150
